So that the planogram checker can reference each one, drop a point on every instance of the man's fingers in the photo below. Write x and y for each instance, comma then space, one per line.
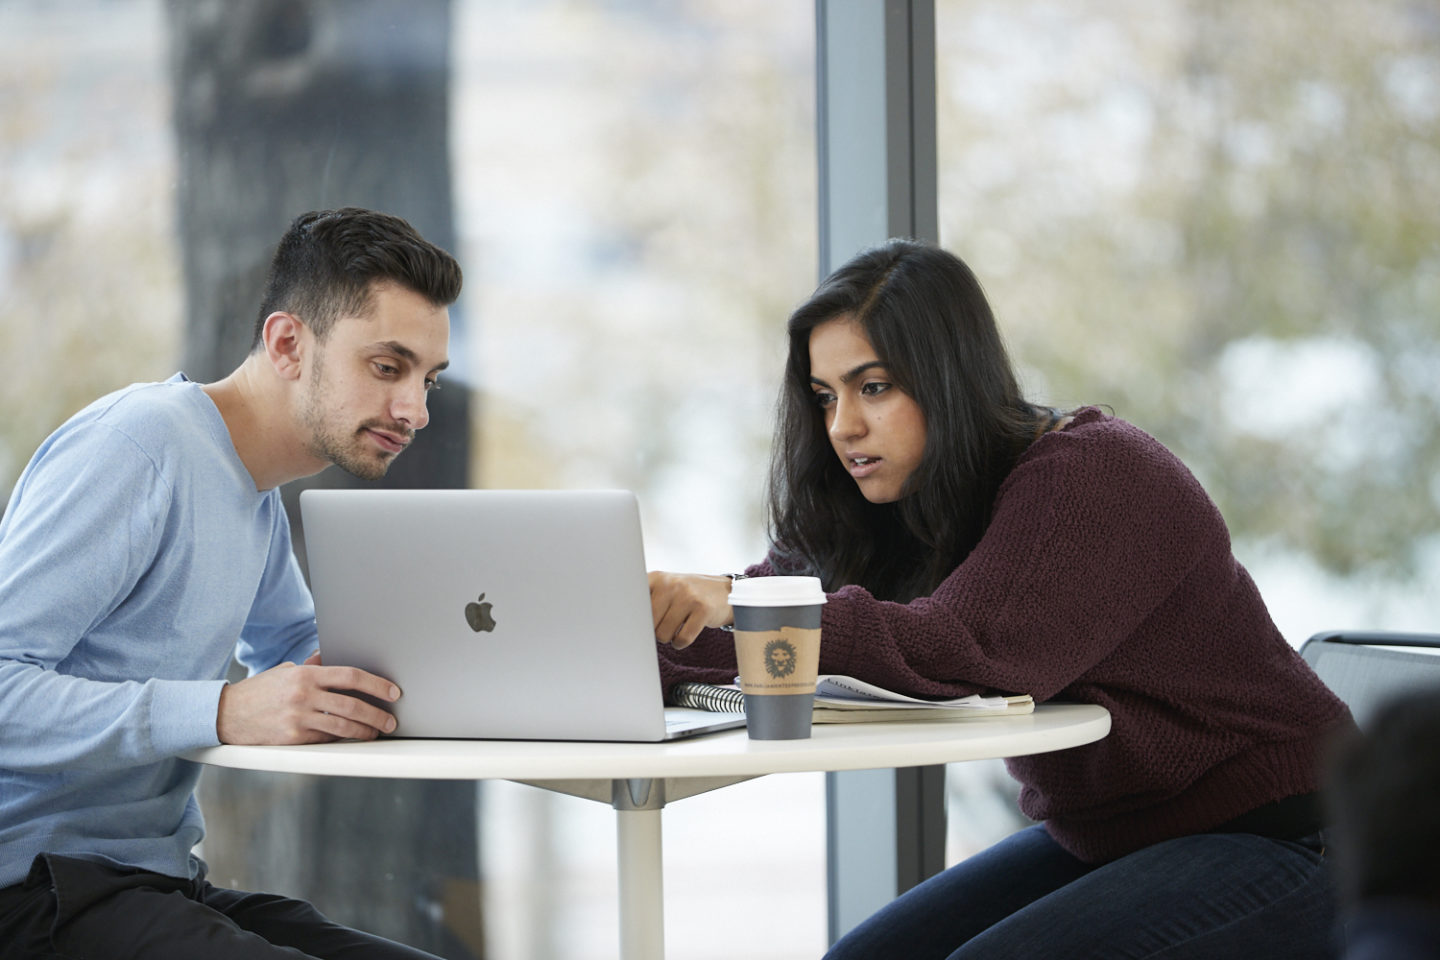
335, 726
305, 704
353, 678
355, 710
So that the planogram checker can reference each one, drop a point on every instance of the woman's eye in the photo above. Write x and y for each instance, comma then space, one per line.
824, 399
874, 388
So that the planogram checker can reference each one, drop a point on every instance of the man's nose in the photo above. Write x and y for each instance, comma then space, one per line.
410, 406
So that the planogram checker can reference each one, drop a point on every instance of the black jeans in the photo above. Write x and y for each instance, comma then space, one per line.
69, 909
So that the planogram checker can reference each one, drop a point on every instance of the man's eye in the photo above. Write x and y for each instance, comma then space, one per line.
386, 370
432, 385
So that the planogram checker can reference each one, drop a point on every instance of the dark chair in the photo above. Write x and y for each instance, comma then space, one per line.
1366, 668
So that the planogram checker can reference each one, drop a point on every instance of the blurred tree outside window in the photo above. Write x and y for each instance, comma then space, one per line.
1220, 220
90, 296
279, 108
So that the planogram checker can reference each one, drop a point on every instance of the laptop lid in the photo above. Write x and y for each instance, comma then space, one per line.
500, 614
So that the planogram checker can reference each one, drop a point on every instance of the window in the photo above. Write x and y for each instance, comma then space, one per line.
1215, 218
631, 190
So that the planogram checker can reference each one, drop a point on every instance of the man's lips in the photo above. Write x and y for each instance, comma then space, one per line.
391, 441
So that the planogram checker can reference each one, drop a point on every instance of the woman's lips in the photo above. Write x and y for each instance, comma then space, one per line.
862, 466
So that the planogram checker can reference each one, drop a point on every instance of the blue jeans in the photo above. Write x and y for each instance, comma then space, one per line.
1221, 896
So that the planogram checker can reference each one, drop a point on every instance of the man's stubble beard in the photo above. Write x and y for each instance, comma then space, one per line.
326, 444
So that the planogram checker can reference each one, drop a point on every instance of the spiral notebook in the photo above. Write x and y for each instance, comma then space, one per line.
500, 614
841, 699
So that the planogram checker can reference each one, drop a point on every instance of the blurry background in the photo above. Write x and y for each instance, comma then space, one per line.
1217, 218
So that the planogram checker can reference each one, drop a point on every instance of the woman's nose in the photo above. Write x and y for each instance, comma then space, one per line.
845, 421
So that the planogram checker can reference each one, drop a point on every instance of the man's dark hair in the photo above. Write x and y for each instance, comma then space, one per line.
328, 261
1384, 799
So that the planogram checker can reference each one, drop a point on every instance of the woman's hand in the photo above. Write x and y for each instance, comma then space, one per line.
684, 603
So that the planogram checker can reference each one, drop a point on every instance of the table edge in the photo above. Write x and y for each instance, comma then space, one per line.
859, 746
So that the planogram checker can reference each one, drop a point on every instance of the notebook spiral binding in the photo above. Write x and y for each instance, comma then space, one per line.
705, 696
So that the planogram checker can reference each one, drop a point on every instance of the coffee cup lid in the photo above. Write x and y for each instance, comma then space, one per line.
776, 592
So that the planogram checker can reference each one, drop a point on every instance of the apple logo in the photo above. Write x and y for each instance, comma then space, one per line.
477, 614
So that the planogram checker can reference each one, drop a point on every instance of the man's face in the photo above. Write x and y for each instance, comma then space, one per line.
369, 381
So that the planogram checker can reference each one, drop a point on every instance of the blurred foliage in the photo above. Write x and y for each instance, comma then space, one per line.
89, 278
1220, 219
78, 322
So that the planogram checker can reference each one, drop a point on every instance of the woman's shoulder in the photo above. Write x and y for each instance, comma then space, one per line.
1093, 429
1099, 447
1103, 481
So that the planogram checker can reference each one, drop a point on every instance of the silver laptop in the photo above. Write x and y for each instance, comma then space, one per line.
501, 614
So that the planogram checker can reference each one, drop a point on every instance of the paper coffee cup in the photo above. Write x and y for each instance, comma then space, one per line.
777, 645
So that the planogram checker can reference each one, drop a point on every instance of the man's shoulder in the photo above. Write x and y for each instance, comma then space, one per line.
155, 427
175, 397
152, 415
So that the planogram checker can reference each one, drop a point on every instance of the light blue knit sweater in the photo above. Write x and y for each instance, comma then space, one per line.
135, 557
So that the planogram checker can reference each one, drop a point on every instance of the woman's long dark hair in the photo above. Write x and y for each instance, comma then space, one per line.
930, 324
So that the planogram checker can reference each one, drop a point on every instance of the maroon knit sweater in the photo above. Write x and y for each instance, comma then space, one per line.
1106, 577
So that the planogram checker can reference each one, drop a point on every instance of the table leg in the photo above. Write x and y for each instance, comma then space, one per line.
638, 805
642, 894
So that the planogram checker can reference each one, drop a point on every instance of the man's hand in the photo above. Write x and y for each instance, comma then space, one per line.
684, 603
309, 703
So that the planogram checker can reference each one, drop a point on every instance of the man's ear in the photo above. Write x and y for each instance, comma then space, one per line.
285, 339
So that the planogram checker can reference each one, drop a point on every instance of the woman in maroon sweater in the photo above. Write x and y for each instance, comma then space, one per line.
971, 541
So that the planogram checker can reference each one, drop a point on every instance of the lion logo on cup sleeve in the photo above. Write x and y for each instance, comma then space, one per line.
779, 658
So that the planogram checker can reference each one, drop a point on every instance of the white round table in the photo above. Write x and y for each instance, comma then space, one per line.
638, 779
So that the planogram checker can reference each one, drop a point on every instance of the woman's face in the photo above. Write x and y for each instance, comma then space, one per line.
877, 429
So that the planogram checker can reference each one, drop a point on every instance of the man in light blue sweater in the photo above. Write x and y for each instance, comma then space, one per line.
145, 543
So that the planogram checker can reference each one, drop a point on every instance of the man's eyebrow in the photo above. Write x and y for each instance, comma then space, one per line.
850, 374
406, 354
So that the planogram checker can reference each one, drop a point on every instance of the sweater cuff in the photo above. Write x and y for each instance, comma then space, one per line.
183, 714
837, 646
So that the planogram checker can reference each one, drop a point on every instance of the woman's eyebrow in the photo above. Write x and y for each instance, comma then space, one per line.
856, 371
850, 374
